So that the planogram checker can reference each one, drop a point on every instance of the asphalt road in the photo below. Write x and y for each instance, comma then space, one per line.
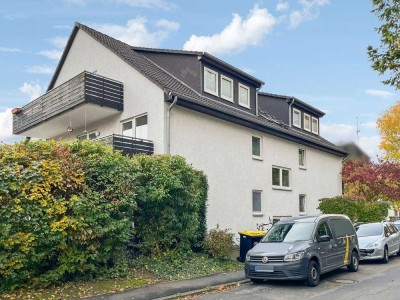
373, 281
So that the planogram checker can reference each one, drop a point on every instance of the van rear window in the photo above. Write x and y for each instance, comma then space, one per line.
342, 227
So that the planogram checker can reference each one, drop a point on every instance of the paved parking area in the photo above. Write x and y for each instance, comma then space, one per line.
373, 281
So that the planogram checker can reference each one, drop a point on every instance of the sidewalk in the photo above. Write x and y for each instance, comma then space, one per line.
169, 289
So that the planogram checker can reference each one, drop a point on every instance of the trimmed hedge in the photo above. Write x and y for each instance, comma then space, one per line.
67, 210
356, 210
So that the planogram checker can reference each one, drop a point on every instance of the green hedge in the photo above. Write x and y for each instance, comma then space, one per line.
67, 210
356, 210
172, 198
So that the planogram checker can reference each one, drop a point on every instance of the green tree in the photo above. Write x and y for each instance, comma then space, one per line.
386, 58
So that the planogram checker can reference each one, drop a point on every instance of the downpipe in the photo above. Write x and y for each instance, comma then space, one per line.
168, 133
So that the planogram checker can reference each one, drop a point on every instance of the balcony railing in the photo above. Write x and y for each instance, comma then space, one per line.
83, 88
128, 145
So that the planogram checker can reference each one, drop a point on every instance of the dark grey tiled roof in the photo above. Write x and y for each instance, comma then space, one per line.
168, 82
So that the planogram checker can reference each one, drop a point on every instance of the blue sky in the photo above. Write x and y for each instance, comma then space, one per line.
312, 49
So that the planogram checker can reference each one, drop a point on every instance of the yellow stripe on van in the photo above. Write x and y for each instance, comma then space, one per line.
346, 255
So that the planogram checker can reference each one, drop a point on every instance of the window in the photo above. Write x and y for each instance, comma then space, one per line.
244, 95
141, 127
302, 204
302, 158
323, 229
136, 128
257, 202
210, 81
296, 118
280, 177
89, 136
314, 125
226, 88
307, 122
256, 146
127, 129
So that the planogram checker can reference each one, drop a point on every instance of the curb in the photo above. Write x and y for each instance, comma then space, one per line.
207, 289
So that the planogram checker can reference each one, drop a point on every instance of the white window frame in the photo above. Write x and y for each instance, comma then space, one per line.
309, 122
133, 120
261, 147
215, 93
304, 158
257, 213
280, 186
305, 204
312, 127
293, 113
87, 135
223, 77
248, 95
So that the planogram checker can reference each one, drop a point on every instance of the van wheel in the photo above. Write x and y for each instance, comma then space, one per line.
256, 281
313, 274
354, 262
385, 258
398, 253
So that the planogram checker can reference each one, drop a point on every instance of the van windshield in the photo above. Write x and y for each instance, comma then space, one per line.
289, 233
373, 229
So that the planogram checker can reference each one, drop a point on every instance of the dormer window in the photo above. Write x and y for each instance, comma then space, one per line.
296, 118
314, 125
244, 95
211, 82
226, 88
307, 122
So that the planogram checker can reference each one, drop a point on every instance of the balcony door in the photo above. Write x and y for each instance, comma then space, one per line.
136, 127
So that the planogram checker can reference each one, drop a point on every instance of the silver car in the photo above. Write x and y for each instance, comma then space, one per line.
378, 241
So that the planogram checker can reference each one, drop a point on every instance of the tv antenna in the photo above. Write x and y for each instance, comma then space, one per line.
358, 131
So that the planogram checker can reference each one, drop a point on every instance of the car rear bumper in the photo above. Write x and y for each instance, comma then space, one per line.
280, 271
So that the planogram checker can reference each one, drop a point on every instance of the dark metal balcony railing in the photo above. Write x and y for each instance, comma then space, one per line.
83, 88
128, 145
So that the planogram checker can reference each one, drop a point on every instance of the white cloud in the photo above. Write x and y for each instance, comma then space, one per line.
13, 16
337, 133
370, 145
136, 33
5, 125
40, 70
33, 90
380, 93
309, 10
62, 27
59, 43
169, 25
4, 49
135, 3
52, 54
370, 125
282, 6
236, 36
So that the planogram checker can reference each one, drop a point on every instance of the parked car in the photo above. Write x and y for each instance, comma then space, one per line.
378, 241
397, 224
303, 248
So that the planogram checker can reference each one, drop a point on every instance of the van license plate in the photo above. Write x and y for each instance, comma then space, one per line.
267, 269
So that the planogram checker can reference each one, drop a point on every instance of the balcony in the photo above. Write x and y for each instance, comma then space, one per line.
128, 145
84, 99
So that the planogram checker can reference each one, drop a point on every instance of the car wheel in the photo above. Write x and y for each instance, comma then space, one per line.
398, 253
313, 274
385, 258
354, 262
255, 280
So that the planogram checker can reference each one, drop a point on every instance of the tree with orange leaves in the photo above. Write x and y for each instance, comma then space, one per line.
389, 129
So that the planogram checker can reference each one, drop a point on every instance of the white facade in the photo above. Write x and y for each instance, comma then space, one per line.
221, 149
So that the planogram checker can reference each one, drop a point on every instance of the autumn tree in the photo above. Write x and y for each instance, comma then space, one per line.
386, 57
389, 129
372, 181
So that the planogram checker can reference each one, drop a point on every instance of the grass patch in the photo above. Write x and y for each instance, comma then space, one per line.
76, 290
145, 271
178, 266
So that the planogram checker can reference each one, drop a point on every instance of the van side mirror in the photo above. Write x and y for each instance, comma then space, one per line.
323, 238
387, 234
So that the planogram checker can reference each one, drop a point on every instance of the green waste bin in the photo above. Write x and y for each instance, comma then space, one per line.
248, 239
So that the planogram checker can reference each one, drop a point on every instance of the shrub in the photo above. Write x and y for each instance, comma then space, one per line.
356, 210
171, 197
219, 243
65, 212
